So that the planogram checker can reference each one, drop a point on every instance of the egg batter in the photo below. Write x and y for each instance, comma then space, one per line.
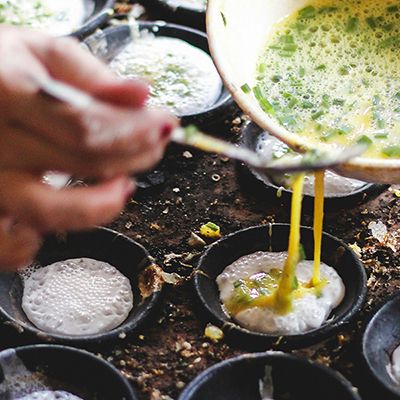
248, 280
182, 77
56, 17
271, 148
329, 73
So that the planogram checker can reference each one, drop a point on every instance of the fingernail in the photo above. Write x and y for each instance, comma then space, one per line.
166, 131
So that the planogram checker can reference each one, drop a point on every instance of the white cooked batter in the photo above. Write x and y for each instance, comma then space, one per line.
77, 297
182, 77
18, 381
50, 395
394, 367
309, 312
197, 5
270, 147
55, 17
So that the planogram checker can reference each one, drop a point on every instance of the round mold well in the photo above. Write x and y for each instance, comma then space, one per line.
68, 369
98, 13
274, 237
181, 14
102, 244
380, 338
108, 43
262, 185
293, 378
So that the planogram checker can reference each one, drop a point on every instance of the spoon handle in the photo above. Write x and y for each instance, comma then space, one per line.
193, 137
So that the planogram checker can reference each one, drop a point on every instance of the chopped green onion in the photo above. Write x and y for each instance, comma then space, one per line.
302, 253
317, 115
287, 120
392, 151
276, 78
392, 9
293, 101
344, 129
307, 104
246, 88
338, 102
327, 10
344, 70
364, 139
352, 24
390, 42
238, 283
264, 103
307, 12
223, 18
371, 21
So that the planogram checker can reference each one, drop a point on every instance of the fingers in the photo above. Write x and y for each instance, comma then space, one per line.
127, 93
67, 61
113, 129
101, 127
21, 149
18, 245
47, 210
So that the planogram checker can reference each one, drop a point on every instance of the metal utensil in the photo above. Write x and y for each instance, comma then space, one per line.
313, 160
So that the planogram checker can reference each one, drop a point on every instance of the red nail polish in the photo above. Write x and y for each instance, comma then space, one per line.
166, 131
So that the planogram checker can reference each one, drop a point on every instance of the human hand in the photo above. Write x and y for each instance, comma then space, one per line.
113, 137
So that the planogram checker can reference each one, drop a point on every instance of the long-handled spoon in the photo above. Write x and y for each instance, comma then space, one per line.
311, 161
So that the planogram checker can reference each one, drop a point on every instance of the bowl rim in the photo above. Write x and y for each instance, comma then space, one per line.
262, 119
82, 340
187, 11
224, 100
95, 20
368, 188
82, 353
268, 355
295, 341
368, 324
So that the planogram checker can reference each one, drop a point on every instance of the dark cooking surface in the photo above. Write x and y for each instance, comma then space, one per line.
172, 350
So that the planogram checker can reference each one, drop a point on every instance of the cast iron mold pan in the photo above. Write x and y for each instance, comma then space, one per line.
263, 186
293, 378
274, 237
109, 42
75, 371
380, 338
102, 244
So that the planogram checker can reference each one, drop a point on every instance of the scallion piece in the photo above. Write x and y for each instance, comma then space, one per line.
371, 21
392, 151
246, 88
264, 103
352, 24
364, 139
392, 9
317, 115
338, 102
381, 135
307, 12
